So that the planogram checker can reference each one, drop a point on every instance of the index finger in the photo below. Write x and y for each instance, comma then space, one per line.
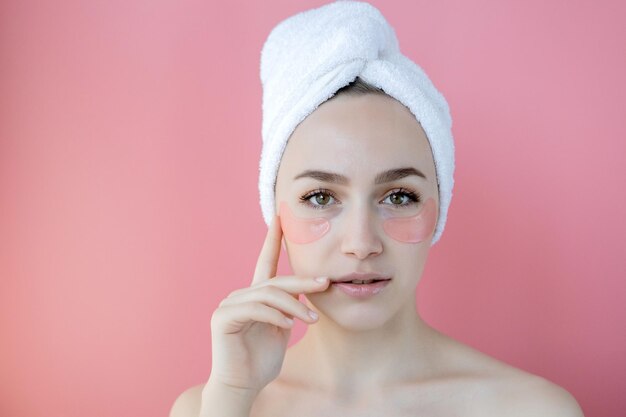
268, 258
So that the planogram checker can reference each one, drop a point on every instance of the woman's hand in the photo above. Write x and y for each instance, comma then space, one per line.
251, 327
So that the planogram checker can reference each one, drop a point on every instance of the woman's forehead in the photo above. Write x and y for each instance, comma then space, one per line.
375, 113
355, 133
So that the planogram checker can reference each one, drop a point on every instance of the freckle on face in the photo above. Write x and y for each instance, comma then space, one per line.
299, 230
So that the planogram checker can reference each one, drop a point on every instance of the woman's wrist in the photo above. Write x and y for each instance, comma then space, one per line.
222, 400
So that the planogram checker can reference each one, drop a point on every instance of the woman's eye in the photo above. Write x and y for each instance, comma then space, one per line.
319, 199
397, 199
401, 198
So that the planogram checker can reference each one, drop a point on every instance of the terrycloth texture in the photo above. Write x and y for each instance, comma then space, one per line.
309, 56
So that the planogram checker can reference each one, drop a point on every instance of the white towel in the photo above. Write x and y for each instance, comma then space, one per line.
309, 56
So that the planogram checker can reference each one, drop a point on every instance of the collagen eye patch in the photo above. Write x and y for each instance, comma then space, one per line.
413, 229
301, 230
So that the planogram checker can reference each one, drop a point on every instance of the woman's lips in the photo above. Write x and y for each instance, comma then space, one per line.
361, 290
361, 276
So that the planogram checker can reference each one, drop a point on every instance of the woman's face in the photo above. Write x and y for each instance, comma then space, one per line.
340, 215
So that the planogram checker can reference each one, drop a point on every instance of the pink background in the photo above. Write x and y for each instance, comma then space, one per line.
129, 144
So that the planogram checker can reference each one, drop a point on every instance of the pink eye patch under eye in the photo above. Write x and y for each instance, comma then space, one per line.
413, 229
298, 230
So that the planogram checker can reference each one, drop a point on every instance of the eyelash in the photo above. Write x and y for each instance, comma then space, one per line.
305, 198
414, 198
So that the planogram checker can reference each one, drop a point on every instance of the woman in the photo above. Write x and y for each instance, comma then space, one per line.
359, 186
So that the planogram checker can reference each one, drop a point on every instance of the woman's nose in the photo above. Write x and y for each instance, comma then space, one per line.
359, 235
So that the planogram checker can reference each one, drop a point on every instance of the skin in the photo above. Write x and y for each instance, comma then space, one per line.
376, 357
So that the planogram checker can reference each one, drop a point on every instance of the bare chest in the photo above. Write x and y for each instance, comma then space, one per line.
432, 401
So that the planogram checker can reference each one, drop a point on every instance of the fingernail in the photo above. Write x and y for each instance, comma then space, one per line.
313, 314
289, 321
321, 279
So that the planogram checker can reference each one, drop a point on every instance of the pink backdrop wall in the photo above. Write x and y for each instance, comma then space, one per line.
129, 141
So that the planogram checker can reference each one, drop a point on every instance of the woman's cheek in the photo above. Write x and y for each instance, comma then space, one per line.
413, 229
301, 230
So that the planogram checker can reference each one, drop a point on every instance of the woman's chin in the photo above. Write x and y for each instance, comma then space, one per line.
357, 318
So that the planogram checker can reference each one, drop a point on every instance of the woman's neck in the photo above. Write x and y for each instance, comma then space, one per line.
343, 361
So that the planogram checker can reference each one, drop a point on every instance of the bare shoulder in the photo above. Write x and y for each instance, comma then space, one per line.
188, 403
527, 395
499, 389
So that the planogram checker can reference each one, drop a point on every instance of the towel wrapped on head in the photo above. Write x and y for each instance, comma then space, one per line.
309, 56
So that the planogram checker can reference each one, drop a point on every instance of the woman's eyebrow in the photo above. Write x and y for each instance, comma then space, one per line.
381, 178
396, 174
323, 176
